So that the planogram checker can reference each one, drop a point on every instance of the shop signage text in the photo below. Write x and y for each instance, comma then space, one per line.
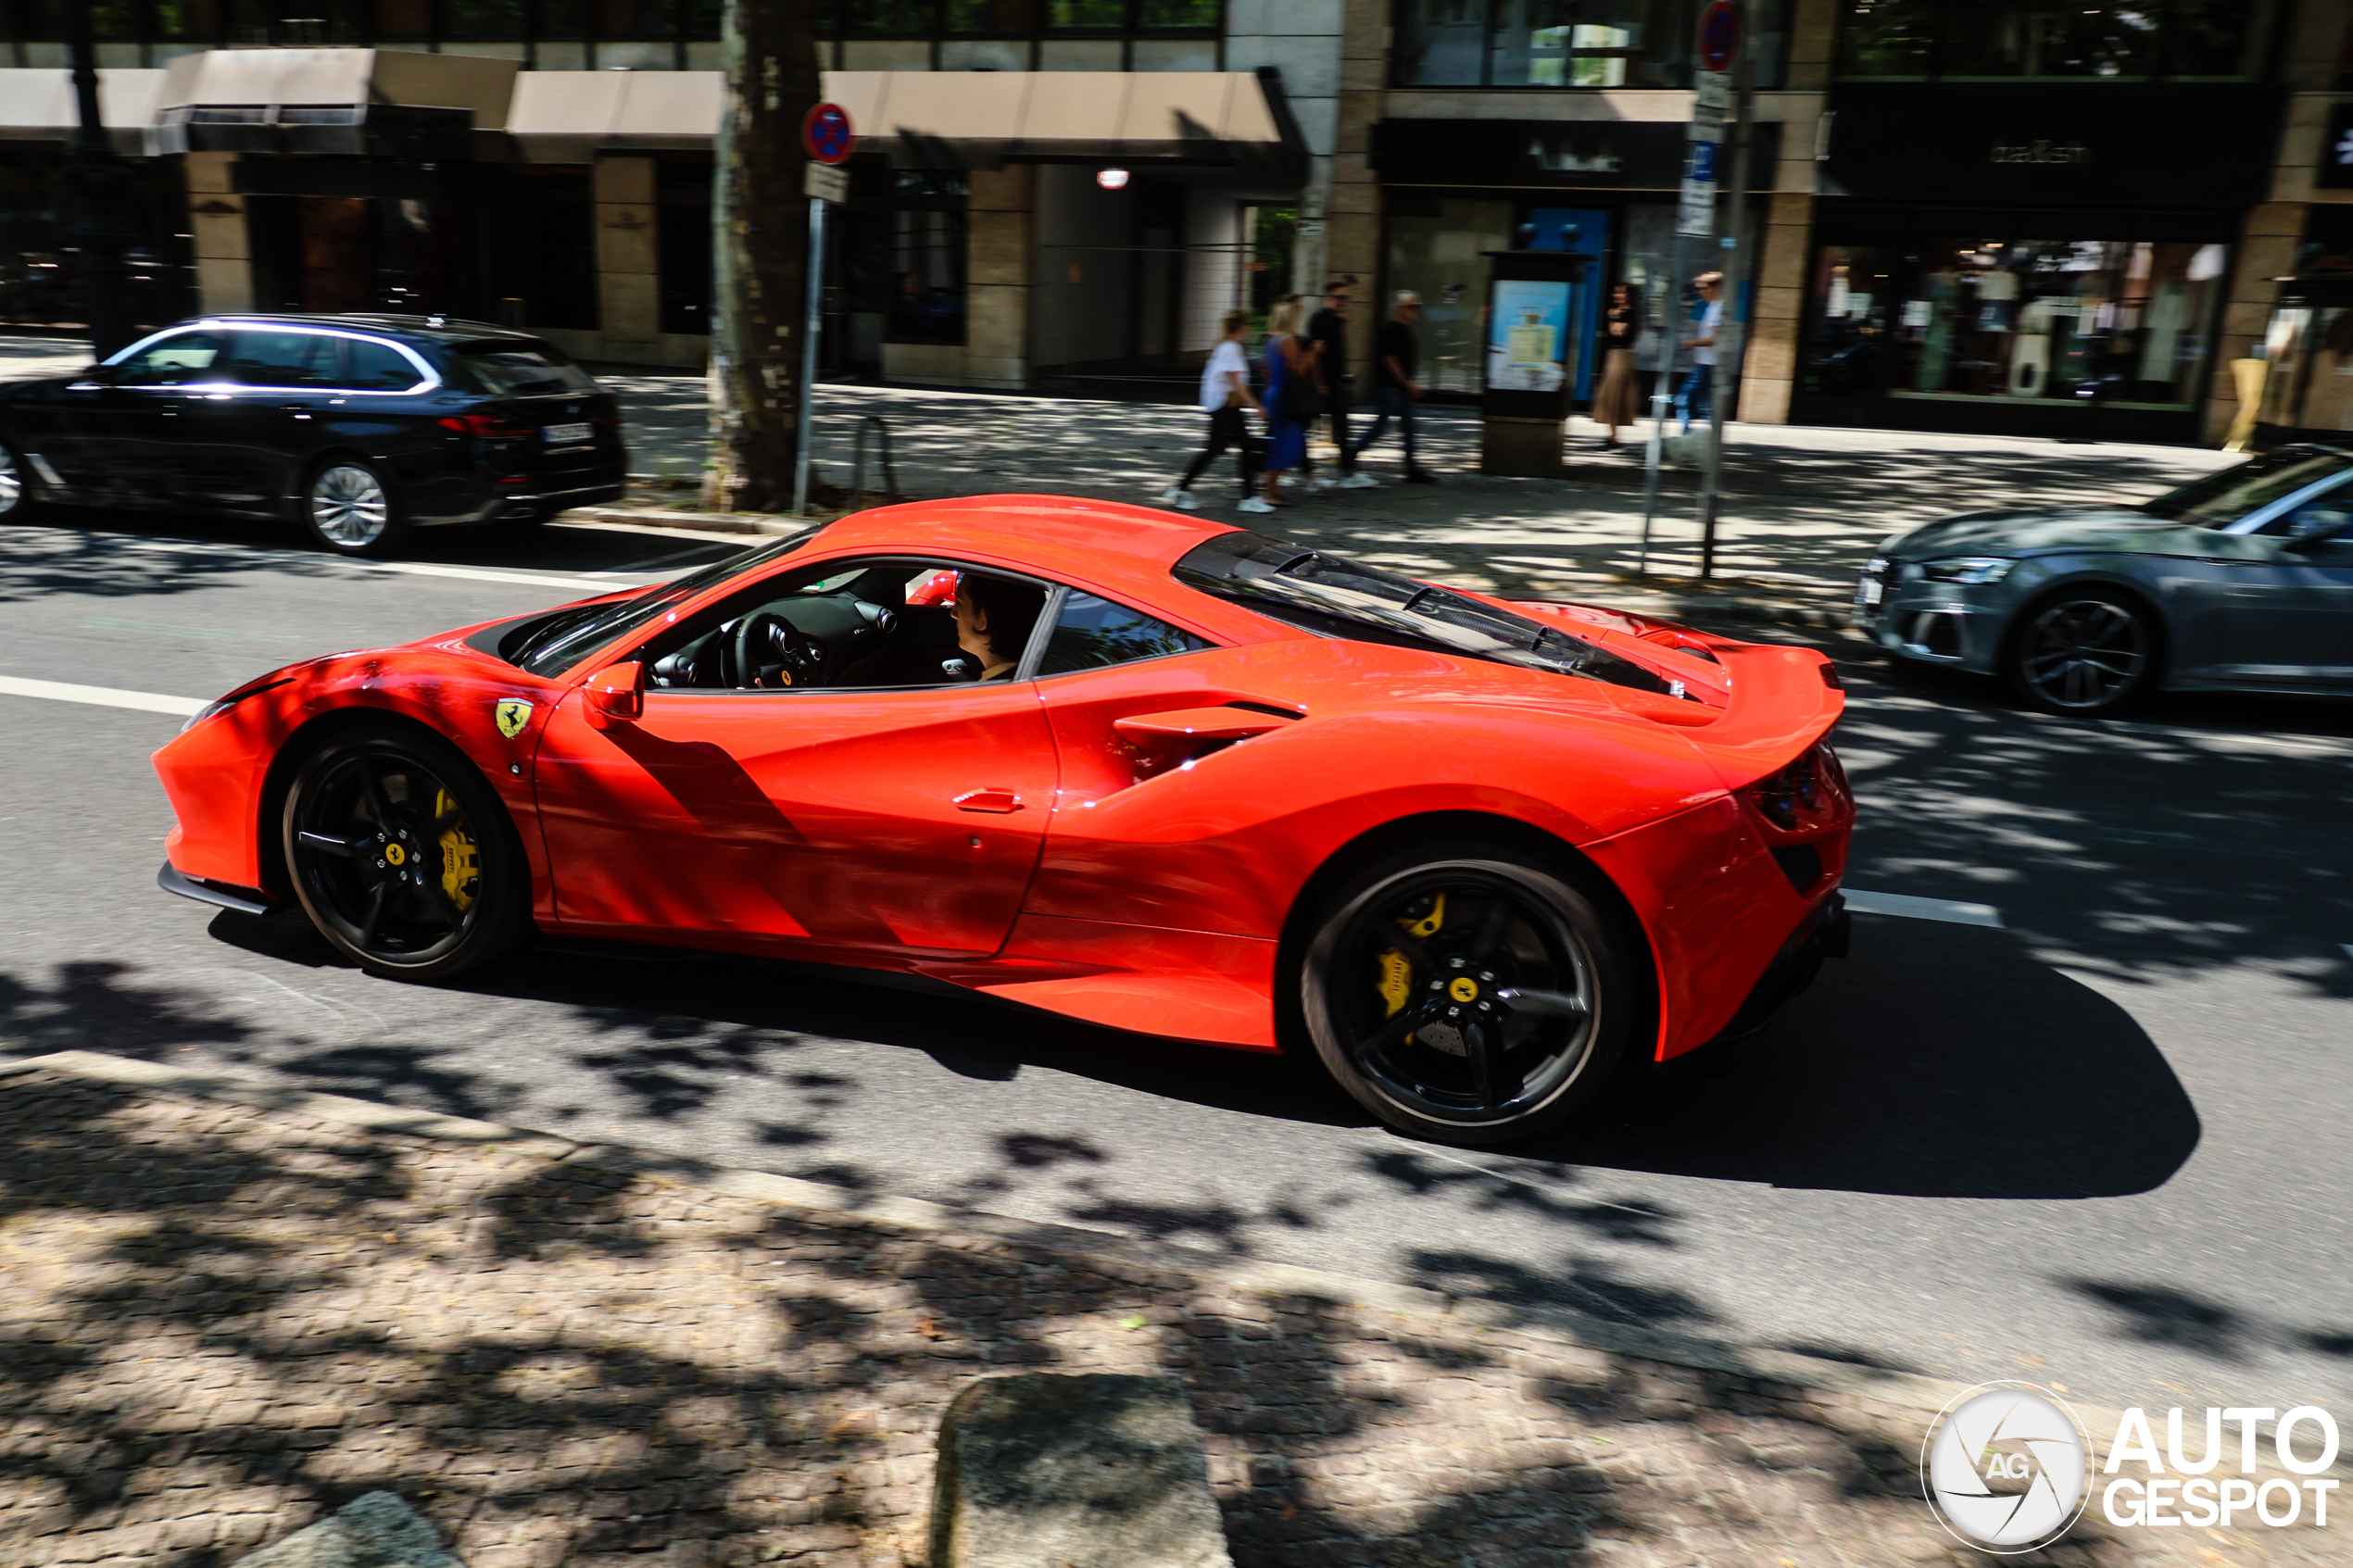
2039, 152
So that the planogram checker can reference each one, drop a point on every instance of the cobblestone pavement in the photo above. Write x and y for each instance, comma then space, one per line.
223, 1321
1804, 507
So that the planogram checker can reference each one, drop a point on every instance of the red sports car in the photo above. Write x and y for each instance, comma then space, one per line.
1155, 773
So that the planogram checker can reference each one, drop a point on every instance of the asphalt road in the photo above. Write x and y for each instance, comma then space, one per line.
2102, 1145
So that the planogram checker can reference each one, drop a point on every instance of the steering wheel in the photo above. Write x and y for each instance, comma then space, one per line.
769, 651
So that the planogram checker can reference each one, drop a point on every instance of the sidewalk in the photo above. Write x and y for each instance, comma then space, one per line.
234, 1306
1804, 505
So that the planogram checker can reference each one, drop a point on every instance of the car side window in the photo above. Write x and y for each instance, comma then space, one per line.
1091, 633
178, 360
369, 366
281, 358
2312, 513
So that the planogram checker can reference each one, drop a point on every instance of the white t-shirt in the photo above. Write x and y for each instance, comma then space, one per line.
1225, 359
1710, 321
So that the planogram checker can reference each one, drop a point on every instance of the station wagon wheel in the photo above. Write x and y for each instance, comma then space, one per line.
2083, 651
402, 856
351, 508
1466, 994
14, 497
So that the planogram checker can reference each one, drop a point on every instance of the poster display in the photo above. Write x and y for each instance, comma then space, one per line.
1529, 345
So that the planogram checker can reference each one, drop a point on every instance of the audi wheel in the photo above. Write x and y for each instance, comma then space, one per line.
2083, 652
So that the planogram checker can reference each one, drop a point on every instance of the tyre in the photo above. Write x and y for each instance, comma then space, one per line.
352, 508
16, 483
2083, 651
1467, 992
402, 855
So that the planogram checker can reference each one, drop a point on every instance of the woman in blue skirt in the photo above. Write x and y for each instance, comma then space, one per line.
1286, 360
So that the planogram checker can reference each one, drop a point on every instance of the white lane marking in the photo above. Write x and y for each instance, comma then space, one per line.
100, 697
1905, 904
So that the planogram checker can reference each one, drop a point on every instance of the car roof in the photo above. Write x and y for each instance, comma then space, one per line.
1108, 543
424, 329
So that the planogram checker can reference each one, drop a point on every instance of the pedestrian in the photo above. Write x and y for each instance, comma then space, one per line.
1396, 356
1698, 394
1290, 390
1225, 393
1328, 330
1619, 400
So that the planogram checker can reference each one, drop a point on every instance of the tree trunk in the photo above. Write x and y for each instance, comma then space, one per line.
759, 253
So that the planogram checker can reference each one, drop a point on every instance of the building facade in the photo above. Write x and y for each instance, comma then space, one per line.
1963, 214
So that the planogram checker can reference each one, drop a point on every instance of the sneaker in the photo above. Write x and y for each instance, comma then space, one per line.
1252, 503
1421, 476
1183, 500
1321, 482
1360, 482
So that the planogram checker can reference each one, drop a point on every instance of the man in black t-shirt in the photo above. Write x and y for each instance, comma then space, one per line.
1329, 329
1396, 356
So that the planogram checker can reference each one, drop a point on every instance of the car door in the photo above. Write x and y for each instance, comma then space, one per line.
827, 822
249, 443
121, 433
2289, 616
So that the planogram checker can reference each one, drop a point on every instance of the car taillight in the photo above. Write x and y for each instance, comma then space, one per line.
1809, 793
490, 427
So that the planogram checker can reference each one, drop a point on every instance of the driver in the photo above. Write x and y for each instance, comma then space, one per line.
994, 616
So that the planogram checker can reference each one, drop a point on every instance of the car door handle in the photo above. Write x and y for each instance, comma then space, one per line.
998, 801
297, 409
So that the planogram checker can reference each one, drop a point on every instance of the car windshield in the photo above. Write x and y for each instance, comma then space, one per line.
507, 369
554, 643
2221, 498
1334, 597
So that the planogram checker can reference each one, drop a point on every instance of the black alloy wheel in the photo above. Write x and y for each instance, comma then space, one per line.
402, 856
1469, 994
2083, 651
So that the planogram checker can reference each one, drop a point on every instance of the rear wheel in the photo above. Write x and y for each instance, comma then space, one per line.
403, 857
1468, 993
16, 490
351, 508
2083, 651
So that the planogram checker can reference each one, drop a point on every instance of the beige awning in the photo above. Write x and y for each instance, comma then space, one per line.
37, 105
570, 116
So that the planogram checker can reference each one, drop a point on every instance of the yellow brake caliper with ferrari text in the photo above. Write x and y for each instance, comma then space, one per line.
1396, 983
461, 856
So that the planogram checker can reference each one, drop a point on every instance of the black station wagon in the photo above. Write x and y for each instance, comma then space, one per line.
362, 427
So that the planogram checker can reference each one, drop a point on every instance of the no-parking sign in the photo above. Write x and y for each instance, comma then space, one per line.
826, 133
1719, 36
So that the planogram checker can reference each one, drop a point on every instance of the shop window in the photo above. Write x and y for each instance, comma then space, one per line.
1099, 15
682, 191
992, 16
890, 16
1196, 14
1563, 43
193, 19
1435, 249
483, 19
2119, 324
2026, 38
2307, 354
563, 19
927, 277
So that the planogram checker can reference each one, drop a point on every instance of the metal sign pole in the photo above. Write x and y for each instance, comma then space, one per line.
1695, 216
804, 434
1732, 332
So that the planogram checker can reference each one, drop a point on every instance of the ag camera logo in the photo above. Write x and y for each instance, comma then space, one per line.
2005, 1467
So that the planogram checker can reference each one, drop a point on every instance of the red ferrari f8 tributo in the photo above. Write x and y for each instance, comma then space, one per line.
1478, 855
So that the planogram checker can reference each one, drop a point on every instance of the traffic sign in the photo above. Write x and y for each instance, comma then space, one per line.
824, 183
826, 133
1720, 34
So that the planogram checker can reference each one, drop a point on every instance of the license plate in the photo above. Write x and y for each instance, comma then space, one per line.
1868, 592
566, 435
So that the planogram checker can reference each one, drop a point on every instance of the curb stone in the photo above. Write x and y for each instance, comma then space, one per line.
1871, 1390
374, 1531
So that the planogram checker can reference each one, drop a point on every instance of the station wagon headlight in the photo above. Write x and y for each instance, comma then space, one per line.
1968, 571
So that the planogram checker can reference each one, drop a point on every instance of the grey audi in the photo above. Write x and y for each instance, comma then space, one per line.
361, 427
2241, 580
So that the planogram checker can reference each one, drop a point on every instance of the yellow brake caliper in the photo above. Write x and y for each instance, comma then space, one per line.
461, 857
1396, 974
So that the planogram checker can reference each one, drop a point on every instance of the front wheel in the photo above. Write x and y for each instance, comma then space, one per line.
15, 488
351, 508
2083, 652
1469, 994
402, 855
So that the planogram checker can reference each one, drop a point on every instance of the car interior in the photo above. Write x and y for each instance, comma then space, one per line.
886, 624
889, 624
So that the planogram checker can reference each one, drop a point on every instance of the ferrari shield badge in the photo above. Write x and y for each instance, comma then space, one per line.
513, 713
